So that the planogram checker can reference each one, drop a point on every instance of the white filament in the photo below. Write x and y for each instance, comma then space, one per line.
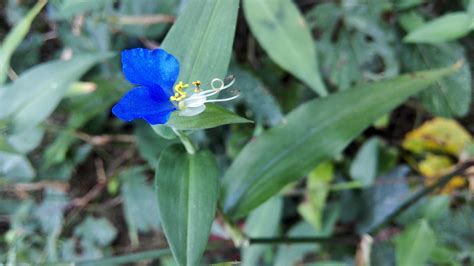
195, 104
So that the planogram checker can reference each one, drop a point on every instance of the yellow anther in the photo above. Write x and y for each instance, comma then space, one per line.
197, 83
181, 85
179, 93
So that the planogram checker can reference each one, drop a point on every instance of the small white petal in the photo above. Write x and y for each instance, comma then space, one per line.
194, 100
192, 111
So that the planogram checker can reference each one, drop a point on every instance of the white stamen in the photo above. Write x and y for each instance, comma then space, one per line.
195, 104
223, 100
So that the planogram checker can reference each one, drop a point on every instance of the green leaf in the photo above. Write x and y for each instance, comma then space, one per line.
294, 254
187, 188
444, 255
454, 229
96, 230
262, 222
139, 202
414, 246
351, 52
443, 29
313, 133
405, 4
450, 96
15, 37
202, 39
257, 97
380, 201
410, 21
50, 215
431, 209
365, 164
26, 141
50, 212
213, 116
32, 97
15, 167
282, 31
164, 131
318, 185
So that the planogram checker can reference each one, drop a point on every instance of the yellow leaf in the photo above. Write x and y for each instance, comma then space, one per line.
435, 166
439, 135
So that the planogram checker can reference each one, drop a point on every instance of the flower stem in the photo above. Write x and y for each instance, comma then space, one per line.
187, 142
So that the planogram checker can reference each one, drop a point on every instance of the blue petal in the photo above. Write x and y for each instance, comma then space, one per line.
150, 68
144, 103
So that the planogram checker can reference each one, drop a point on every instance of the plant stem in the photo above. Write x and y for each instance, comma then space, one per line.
129, 258
335, 240
187, 142
420, 193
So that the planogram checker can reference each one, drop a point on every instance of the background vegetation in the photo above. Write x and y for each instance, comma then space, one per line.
347, 161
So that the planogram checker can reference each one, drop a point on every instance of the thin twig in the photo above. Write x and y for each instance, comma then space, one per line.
142, 20
335, 240
355, 239
410, 201
63, 186
97, 189
101, 140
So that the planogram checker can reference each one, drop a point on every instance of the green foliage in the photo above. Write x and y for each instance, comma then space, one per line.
256, 175
204, 49
283, 33
15, 37
262, 222
140, 203
313, 151
365, 165
292, 254
26, 105
213, 116
319, 180
415, 245
445, 28
450, 96
354, 39
380, 201
187, 188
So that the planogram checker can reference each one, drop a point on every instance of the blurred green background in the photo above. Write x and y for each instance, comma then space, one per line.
76, 184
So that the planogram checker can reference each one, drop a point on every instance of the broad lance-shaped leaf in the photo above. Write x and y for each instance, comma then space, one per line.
282, 31
14, 38
313, 133
34, 96
202, 39
214, 116
187, 188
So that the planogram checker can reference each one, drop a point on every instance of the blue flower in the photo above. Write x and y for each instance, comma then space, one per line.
154, 99
154, 72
